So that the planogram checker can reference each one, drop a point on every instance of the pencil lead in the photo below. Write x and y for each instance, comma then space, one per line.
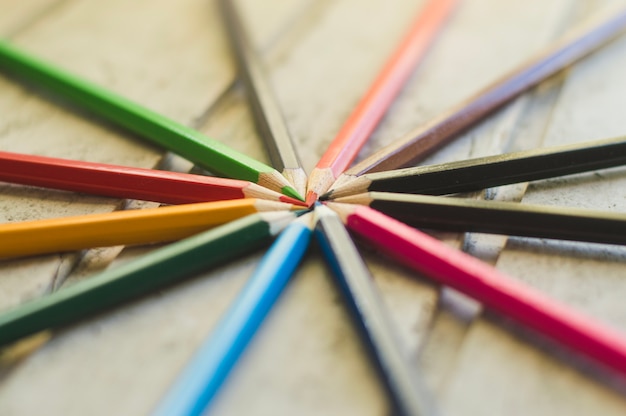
297, 178
302, 212
311, 198
290, 191
326, 196
293, 201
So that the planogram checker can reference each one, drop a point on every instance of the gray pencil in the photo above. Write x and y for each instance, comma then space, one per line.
267, 115
406, 389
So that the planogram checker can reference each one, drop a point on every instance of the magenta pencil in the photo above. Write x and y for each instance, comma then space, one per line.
484, 283
127, 182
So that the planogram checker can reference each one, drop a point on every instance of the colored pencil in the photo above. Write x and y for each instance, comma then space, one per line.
153, 271
428, 137
127, 182
139, 226
406, 389
495, 217
369, 111
485, 172
487, 285
269, 119
209, 153
206, 371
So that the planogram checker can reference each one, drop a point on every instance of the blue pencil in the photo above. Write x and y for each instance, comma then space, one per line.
204, 374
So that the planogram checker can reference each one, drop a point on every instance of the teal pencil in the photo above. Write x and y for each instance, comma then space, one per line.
207, 370
208, 153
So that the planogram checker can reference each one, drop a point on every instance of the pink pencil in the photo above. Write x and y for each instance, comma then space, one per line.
487, 285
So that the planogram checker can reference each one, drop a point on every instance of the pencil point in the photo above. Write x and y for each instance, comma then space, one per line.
297, 178
319, 182
277, 182
289, 191
326, 196
347, 185
343, 210
289, 200
342, 180
311, 198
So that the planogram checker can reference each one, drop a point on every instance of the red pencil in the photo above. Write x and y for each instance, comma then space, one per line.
485, 284
127, 182
368, 112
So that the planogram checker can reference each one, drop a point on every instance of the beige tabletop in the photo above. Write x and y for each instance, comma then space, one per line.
307, 359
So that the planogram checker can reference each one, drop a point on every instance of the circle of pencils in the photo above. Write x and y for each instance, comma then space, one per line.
259, 205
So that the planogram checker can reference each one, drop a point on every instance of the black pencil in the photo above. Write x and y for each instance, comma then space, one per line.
405, 387
485, 172
267, 115
509, 218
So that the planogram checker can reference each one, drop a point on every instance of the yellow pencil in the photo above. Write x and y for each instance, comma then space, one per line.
125, 227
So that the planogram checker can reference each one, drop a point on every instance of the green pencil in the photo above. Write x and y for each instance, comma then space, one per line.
180, 139
155, 270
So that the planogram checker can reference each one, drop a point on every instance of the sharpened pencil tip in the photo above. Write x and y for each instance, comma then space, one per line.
294, 201
326, 196
290, 191
302, 212
311, 198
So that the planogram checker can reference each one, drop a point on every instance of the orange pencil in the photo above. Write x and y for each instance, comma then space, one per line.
137, 226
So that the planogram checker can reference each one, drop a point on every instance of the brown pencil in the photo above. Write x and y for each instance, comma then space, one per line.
428, 137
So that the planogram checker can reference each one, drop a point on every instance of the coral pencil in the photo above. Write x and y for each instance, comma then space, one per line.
187, 142
206, 371
139, 226
484, 283
425, 139
159, 268
127, 182
368, 112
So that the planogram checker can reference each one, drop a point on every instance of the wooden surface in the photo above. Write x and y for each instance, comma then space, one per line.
307, 359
